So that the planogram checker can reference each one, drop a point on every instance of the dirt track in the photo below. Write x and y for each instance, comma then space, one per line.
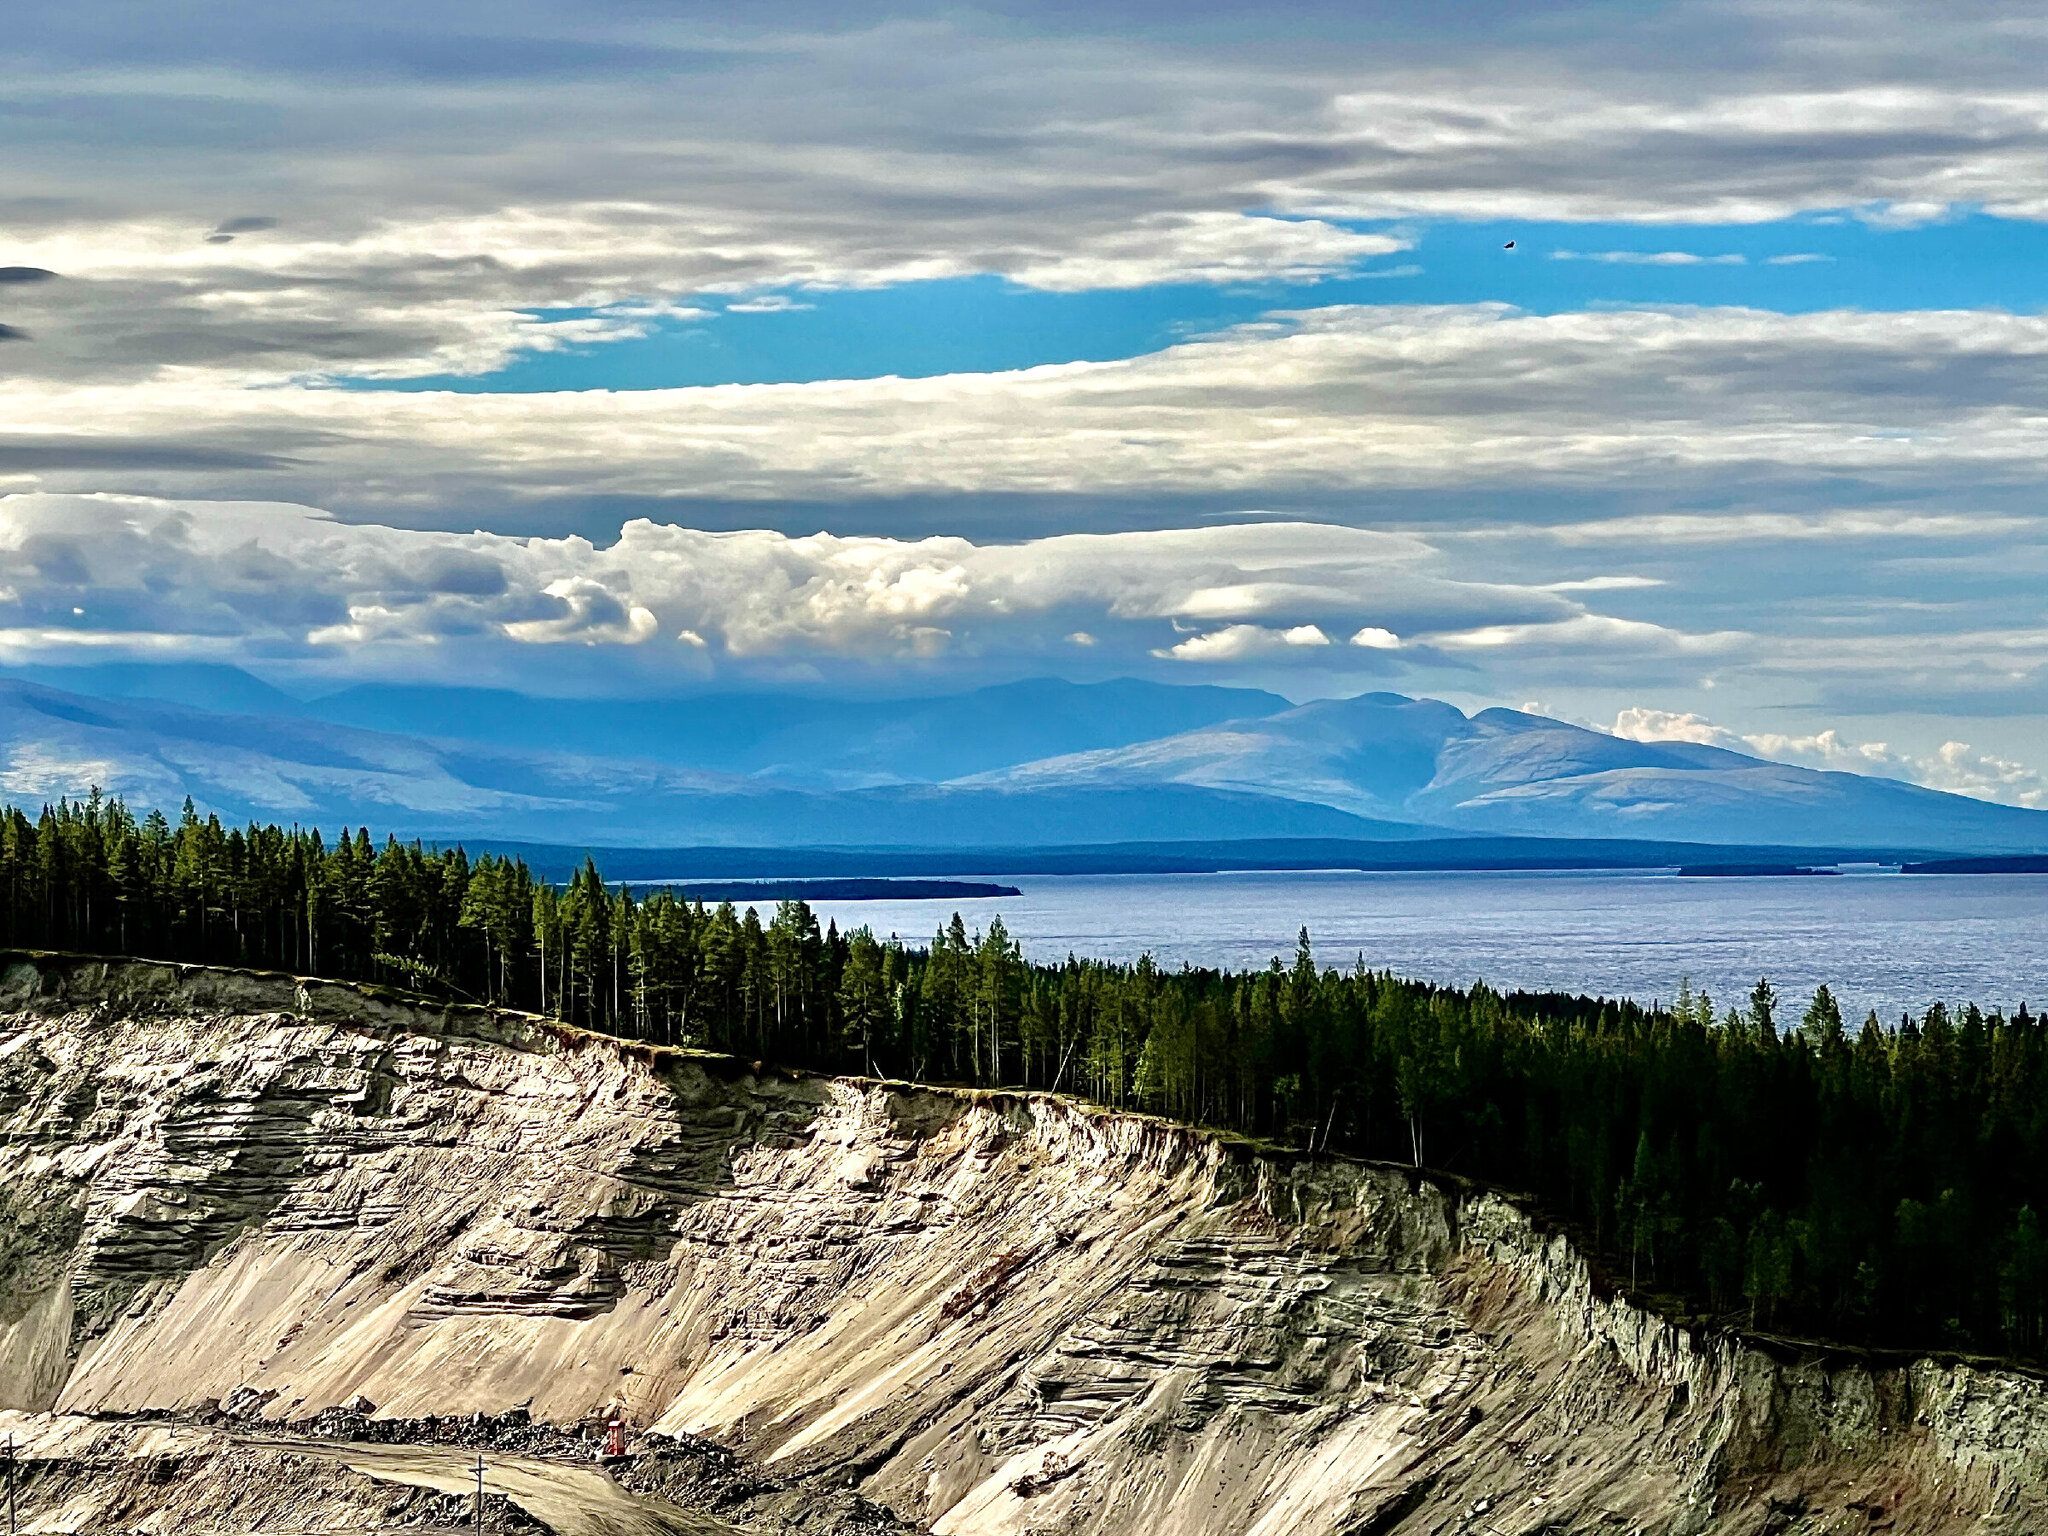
572, 1500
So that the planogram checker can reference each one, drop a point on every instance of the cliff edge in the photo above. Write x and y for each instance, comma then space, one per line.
987, 1313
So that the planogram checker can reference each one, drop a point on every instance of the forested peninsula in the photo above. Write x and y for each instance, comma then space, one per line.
1878, 1185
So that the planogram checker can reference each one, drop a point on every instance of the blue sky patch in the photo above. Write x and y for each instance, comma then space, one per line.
987, 324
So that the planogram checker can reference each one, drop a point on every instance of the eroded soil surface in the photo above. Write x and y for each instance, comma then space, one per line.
284, 1256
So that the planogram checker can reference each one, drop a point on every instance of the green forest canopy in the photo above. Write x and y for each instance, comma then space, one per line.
1881, 1185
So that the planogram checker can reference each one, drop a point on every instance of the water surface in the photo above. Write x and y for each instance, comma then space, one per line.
1883, 941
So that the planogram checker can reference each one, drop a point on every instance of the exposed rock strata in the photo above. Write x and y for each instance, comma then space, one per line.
991, 1313
85, 1474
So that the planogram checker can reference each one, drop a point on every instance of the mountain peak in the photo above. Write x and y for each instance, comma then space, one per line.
1098, 763
1421, 760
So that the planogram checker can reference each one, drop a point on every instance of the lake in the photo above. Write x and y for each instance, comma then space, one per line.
1883, 941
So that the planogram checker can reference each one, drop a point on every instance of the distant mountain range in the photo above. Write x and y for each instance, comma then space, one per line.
1386, 756
822, 742
291, 765
1027, 765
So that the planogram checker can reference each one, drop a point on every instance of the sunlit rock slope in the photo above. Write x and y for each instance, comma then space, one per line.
991, 1313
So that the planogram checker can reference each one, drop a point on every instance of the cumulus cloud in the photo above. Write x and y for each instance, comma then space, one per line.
1958, 767
594, 615
254, 580
1637, 723
1244, 642
1954, 766
292, 591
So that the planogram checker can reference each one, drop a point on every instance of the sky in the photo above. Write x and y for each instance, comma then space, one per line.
1675, 368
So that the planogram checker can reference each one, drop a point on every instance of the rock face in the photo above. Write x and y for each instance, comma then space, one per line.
991, 1313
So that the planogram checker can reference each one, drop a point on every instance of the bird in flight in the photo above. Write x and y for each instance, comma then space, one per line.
1509, 246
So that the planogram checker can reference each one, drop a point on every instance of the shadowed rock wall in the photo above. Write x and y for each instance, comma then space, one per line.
994, 1313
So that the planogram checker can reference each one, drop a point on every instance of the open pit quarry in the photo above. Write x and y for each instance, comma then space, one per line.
286, 1256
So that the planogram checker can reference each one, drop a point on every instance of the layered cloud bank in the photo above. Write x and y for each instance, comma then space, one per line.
287, 582
223, 236
1329, 401
1314, 609
424, 188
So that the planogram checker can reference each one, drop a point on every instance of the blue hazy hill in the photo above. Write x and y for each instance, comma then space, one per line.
1375, 768
806, 738
798, 737
291, 768
1387, 756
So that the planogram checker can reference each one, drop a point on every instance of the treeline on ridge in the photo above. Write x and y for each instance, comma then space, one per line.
1882, 1184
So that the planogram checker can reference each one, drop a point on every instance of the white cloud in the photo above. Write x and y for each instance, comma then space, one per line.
466, 294
284, 581
1955, 766
1680, 528
1651, 258
1604, 584
294, 592
594, 616
767, 304
1592, 632
1960, 768
419, 223
1796, 259
1246, 642
1637, 723
1386, 398
1208, 248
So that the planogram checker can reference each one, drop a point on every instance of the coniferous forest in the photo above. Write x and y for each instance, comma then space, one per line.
1766, 1164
